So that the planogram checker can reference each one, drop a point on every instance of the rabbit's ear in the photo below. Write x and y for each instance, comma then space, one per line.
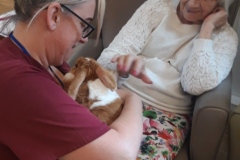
106, 77
76, 83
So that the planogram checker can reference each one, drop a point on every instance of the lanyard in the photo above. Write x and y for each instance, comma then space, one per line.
19, 44
27, 53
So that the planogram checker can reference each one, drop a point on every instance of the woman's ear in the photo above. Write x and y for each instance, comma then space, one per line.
53, 15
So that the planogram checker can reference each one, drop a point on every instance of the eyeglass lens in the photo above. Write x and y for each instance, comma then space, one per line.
88, 29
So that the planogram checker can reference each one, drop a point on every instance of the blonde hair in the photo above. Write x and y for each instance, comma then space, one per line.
27, 10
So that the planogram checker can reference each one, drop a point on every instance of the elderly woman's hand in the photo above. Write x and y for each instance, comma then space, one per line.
215, 20
131, 64
218, 18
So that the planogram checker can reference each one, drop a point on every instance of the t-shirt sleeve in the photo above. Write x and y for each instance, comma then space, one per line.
42, 121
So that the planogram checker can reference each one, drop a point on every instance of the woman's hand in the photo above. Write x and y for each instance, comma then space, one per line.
130, 64
126, 95
215, 20
126, 132
218, 17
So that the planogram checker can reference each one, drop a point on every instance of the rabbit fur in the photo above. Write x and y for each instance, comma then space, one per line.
94, 87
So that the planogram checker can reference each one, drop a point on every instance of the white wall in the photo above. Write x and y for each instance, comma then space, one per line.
236, 67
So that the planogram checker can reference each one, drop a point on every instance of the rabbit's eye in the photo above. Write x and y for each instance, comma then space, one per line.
76, 65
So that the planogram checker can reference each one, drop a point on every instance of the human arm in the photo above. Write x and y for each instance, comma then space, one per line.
122, 141
55, 124
210, 61
126, 133
215, 20
132, 37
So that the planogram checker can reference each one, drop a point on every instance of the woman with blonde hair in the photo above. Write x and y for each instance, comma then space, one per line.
38, 120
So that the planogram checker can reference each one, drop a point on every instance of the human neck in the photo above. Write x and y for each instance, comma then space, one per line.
34, 45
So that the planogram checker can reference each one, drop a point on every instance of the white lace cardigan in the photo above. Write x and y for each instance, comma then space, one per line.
177, 61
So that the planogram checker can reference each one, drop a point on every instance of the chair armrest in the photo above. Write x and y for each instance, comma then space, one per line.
235, 134
210, 118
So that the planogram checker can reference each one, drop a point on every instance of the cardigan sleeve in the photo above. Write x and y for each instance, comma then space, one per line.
133, 36
210, 62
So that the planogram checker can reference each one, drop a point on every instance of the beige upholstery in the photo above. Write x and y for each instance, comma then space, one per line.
235, 135
210, 120
5, 6
208, 139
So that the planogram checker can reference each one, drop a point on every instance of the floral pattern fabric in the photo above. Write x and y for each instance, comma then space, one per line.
163, 134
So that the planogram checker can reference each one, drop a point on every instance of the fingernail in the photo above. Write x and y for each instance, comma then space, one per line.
125, 69
120, 67
134, 73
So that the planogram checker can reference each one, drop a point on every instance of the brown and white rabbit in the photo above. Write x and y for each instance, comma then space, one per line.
94, 87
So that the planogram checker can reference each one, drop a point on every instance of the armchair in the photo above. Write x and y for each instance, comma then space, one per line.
234, 125
211, 109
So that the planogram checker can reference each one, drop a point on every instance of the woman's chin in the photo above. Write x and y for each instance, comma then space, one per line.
68, 55
191, 17
190, 20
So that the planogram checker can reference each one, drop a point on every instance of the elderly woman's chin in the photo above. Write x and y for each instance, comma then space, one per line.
194, 18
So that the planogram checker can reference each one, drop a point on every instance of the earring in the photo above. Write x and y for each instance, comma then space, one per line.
53, 26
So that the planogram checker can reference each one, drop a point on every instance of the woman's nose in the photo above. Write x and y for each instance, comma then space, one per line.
193, 3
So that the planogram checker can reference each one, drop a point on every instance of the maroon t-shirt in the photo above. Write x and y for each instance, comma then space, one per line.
38, 120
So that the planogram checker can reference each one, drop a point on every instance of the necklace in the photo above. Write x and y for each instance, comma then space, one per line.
28, 54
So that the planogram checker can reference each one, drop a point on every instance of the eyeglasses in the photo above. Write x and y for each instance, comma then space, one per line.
88, 28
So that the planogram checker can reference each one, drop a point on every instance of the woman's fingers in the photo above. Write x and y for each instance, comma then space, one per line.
218, 17
124, 62
130, 64
129, 60
138, 70
222, 17
143, 76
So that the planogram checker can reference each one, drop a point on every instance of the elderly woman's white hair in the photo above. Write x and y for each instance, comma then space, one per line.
223, 3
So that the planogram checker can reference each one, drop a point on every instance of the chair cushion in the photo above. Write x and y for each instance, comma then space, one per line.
235, 134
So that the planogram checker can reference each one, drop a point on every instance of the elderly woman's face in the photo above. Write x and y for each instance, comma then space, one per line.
196, 11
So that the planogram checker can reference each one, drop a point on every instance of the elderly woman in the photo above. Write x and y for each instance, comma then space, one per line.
38, 120
173, 50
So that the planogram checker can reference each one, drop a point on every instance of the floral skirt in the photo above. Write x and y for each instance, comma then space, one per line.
163, 134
